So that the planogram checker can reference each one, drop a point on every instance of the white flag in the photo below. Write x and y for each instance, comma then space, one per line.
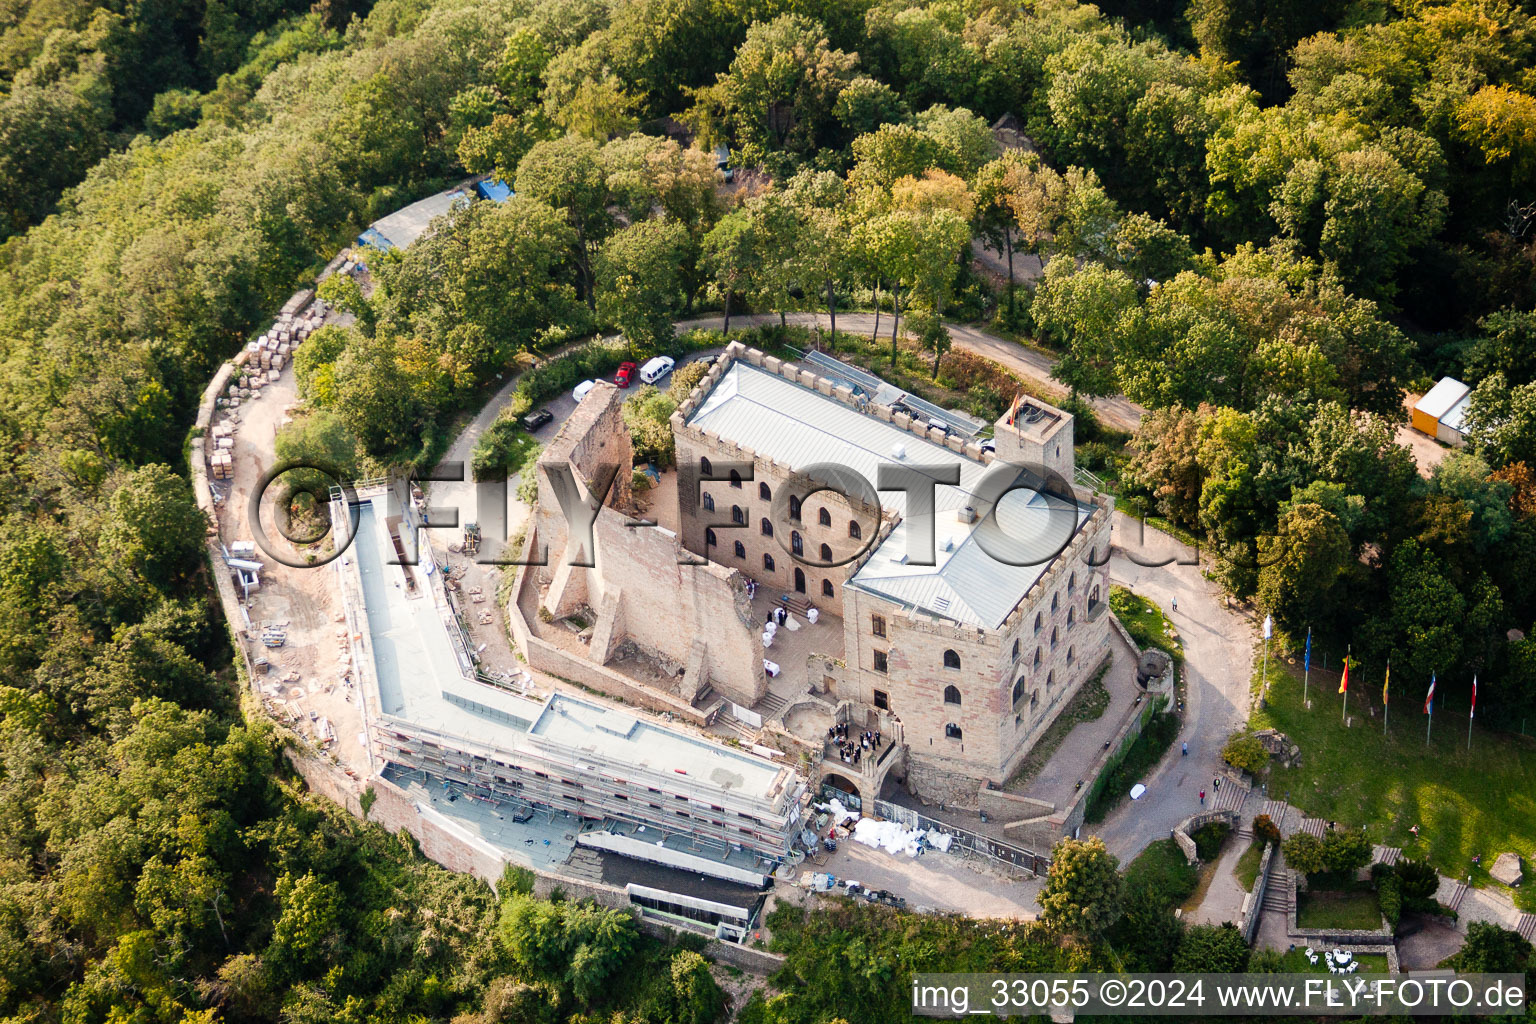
1269, 627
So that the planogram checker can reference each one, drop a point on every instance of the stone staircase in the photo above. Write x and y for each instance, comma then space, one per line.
1458, 893
770, 705
1245, 829
797, 605
585, 864
1314, 826
729, 721
1388, 855
1230, 797
1276, 811
1277, 894
1526, 926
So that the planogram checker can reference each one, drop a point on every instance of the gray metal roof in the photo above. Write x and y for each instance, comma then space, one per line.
800, 427
885, 393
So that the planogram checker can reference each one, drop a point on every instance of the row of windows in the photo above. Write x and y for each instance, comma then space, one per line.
739, 516
740, 551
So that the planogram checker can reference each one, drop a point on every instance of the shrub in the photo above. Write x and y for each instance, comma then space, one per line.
640, 481
1418, 879
1389, 895
1346, 849
1218, 949
1208, 840
1304, 853
1266, 829
1245, 752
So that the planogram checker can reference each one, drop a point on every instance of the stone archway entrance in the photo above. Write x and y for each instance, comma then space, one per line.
835, 785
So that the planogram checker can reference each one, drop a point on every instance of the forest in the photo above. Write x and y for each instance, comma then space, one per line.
1265, 223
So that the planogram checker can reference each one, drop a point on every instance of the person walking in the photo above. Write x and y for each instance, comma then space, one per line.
1202, 798
1175, 604
1186, 749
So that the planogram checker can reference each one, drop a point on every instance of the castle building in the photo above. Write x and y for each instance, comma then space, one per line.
972, 589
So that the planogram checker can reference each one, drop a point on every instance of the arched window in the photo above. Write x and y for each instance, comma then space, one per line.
1071, 583
738, 515
741, 550
1054, 638
1039, 621
709, 502
709, 538
705, 466
1055, 603
1050, 679
799, 579
951, 659
1093, 597
1015, 650
794, 508
824, 517
951, 695
735, 479
1034, 700
855, 530
1071, 654
768, 563
826, 554
1071, 617
826, 588
952, 731
1018, 689
767, 527
1037, 657
764, 493
796, 543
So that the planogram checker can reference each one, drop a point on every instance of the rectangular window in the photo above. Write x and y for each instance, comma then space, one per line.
877, 625
882, 700
880, 665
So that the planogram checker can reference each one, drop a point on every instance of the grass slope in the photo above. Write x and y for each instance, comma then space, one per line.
1465, 804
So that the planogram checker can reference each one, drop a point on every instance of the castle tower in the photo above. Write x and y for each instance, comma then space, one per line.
1032, 433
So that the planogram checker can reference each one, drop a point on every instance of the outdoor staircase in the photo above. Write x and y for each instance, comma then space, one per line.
585, 864
1277, 894
1388, 855
1244, 830
1276, 810
726, 720
1526, 926
1314, 826
1230, 797
770, 705
1458, 894
797, 605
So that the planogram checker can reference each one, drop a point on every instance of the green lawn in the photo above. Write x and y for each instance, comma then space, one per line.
1464, 804
1145, 621
1338, 910
1246, 870
1163, 868
1088, 705
1296, 962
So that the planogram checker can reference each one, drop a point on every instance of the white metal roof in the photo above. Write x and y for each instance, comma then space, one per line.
800, 427
1456, 417
1441, 398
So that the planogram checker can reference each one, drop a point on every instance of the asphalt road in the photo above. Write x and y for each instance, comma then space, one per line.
1117, 411
1218, 664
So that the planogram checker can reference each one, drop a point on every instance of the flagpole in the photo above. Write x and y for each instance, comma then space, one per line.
1306, 671
1430, 725
1344, 717
1386, 700
1471, 714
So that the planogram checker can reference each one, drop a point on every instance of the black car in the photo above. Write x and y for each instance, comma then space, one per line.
535, 420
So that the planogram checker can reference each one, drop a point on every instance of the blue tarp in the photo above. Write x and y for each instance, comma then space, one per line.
374, 238
495, 189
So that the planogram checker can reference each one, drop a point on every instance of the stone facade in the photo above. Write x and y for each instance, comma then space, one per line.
971, 701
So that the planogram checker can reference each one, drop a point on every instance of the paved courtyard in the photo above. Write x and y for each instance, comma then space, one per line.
936, 881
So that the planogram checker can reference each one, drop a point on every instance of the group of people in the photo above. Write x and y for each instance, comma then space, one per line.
851, 750
751, 589
777, 616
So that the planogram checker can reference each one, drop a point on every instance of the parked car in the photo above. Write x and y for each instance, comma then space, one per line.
581, 390
625, 374
656, 369
706, 360
535, 420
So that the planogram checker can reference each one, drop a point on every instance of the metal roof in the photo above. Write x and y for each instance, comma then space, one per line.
1441, 398
885, 393
800, 427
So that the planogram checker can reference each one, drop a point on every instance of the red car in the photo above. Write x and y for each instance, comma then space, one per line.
626, 372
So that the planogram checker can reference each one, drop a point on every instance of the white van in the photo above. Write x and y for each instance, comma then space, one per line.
582, 389
656, 369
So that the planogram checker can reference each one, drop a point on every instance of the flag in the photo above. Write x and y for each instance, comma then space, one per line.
1013, 409
1344, 680
1385, 683
1269, 627
1306, 661
1473, 712
1429, 701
